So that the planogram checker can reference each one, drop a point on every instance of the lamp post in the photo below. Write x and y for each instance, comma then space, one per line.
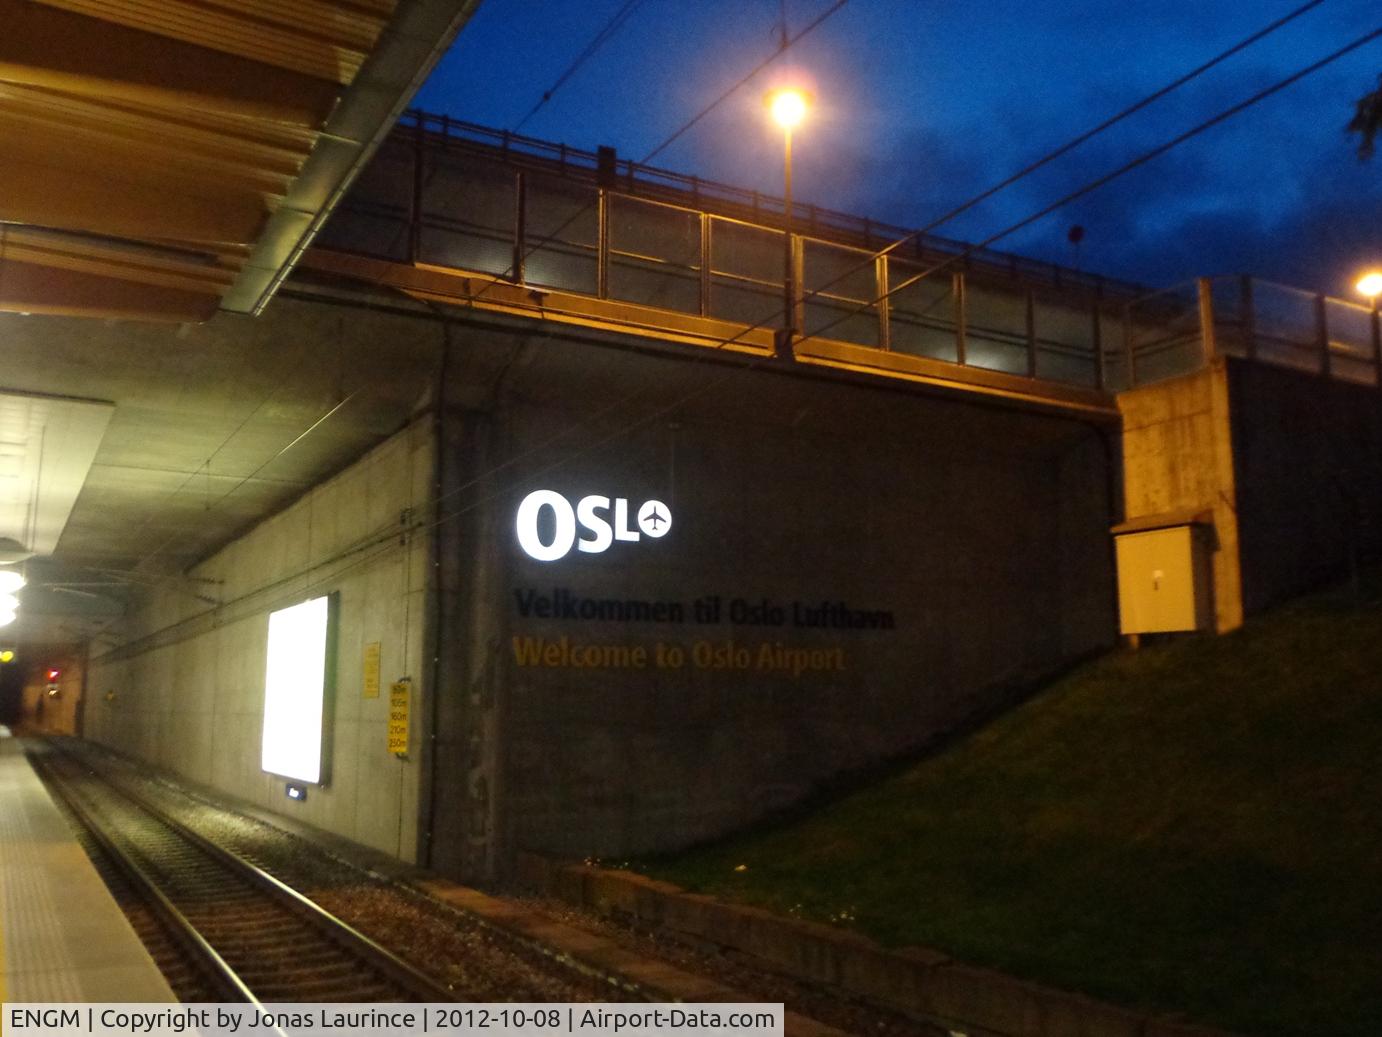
788, 108
1370, 286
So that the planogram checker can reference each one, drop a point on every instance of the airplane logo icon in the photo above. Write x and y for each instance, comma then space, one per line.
654, 519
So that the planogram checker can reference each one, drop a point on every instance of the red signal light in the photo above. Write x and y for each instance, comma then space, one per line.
54, 675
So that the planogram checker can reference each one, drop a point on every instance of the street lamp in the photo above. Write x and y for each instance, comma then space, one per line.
1370, 285
788, 107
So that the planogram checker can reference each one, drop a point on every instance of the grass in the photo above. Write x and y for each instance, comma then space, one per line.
1193, 828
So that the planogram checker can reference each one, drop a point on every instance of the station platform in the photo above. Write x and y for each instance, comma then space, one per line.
62, 936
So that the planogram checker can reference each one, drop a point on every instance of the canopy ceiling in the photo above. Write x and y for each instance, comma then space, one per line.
166, 158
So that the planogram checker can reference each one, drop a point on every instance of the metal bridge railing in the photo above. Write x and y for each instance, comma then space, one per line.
475, 211
433, 133
1176, 331
426, 199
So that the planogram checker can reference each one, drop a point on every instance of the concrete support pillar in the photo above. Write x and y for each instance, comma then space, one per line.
1227, 564
1178, 456
468, 789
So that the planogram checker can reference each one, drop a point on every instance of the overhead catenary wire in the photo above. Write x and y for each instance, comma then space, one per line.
370, 546
295, 365
1032, 167
753, 363
279, 592
613, 25
382, 534
779, 311
672, 406
1021, 174
322, 419
787, 43
1107, 124
783, 48
1041, 162
363, 389
676, 404
335, 408
1114, 174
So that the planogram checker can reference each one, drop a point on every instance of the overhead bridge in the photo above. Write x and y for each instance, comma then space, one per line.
496, 221
499, 222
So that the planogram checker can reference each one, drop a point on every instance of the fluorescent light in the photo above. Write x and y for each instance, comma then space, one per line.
6, 618
295, 691
10, 581
8, 603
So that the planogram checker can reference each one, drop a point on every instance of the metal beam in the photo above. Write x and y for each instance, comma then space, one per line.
58, 50
328, 43
79, 197
415, 39
159, 159
66, 293
482, 294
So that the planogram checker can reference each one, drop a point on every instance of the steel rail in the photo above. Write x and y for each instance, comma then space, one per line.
416, 984
223, 978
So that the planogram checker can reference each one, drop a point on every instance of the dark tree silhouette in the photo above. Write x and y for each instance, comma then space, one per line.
1367, 120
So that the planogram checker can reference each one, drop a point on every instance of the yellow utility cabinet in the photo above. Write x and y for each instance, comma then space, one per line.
1164, 575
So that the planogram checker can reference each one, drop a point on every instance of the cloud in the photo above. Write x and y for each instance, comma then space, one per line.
953, 103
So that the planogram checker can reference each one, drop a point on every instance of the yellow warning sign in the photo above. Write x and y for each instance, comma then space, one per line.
371, 682
398, 716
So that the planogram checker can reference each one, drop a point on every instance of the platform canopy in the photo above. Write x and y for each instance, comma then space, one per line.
166, 158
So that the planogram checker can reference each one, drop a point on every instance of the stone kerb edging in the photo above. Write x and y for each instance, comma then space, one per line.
920, 983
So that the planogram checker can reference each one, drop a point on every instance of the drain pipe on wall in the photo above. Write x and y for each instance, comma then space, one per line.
1116, 506
431, 639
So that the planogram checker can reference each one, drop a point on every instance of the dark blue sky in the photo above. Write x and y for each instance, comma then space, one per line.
923, 104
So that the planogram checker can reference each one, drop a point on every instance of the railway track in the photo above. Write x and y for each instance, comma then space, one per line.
251, 937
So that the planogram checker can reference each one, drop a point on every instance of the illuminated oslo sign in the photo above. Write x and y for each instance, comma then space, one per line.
602, 521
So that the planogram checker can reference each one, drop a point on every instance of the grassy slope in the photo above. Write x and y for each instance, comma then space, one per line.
1196, 827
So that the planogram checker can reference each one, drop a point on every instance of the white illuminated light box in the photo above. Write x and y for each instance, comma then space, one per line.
297, 687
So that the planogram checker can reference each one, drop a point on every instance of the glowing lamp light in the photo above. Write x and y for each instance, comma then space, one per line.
53, 674
1370, 284
6, 656
10, 581
6, 618
788, 107
9, 603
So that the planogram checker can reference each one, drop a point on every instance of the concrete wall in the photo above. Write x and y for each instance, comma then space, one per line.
1288, 463
1177, 456
981, 531
184, 688
1308, 457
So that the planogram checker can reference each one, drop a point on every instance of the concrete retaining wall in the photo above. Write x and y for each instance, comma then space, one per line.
1177, 456
1308, 455
1288, 463
918, 982
979, 531
184, 686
